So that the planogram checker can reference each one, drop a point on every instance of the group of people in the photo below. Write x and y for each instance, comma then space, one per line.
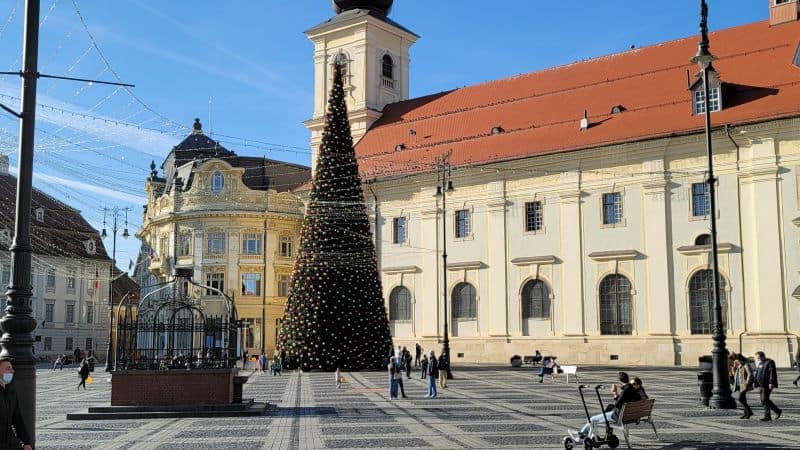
431, 368
625, 390
274, 365
762, 375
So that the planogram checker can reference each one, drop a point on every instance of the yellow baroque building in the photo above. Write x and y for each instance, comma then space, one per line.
579, 222
234, 221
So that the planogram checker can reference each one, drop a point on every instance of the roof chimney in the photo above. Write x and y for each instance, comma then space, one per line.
3, 164
783, 11
585, 120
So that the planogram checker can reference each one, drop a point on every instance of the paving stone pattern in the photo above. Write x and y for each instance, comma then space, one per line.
484, 407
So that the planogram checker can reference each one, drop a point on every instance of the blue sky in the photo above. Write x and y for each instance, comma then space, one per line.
95, 143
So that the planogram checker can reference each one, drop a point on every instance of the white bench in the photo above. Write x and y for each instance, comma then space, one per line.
566, 371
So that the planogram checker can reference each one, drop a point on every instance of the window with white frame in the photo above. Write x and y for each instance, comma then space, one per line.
463, 227
39, 214
71, 280
90, 313
251, 284
714, 103
185, 244
283, 285
50, 280
215, 280
251, 243
612, 208
216, 243
534, 216
69, 313
49, 312
286, 246
217, 182
399, 228
701, 200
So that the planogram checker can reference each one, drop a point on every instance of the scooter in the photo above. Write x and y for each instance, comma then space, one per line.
593, 440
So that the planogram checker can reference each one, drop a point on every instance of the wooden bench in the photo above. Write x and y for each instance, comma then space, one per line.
635, 413
531, 359
566, 371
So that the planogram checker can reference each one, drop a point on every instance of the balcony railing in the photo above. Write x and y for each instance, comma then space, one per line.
387, 82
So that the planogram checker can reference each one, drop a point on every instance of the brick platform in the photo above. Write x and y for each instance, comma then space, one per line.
172, 387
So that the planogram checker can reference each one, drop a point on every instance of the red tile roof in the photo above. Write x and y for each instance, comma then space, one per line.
540, 112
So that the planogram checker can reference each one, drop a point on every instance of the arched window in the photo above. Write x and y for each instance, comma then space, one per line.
703, 239
400, 304
701, 301
535, 300
464, 301
616, 310
388, 67
217, 182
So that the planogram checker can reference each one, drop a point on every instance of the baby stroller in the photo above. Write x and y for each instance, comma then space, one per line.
593, 439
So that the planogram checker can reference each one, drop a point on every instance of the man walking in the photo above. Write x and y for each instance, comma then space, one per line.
418, 355
407, 362
433, 371
398, 361
767, 380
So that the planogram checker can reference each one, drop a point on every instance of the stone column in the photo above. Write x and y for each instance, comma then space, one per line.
428, 296
572, 309
657, 249
496, 298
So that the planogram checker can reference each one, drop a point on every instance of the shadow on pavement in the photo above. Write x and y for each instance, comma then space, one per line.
720, 445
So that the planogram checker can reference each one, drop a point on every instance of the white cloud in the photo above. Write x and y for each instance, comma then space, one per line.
86, 187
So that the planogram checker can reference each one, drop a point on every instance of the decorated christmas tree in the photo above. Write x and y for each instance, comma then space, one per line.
335, 315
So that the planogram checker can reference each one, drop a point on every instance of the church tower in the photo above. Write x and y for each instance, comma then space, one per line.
374, 51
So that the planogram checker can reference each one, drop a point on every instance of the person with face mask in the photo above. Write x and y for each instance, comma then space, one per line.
767, 380
13, 427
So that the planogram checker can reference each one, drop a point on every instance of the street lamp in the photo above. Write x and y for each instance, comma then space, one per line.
444, 186
721, 393
115, 212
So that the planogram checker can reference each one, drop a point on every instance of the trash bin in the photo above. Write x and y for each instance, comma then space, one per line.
238, 384
705, 380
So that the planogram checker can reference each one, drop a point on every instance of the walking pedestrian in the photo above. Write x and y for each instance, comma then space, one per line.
797, 366
433, 372
338, 375
417, 354
444, 365
745, 377
398, 360
14, 429
767, 380
276, 366
395, 376
424, 364
83, 372
407, 362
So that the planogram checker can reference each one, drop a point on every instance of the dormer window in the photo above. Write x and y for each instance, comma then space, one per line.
217, 182
39, 213
90, 246
714, 101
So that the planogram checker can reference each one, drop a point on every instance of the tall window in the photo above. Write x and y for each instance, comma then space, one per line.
612, 208
283, 285
464, 301
713, 100
286, 246
49, 309
251, 284
251, 243
50, 281
163, 246
216, 243
701, 200
535, 300
701, 301
71, 275
89, 344
533, 216
616, 305
48, 343
69, 314
68, 344
217, 182
185, 244
388, 67
215, 280
399, 232
90, 313
463, 227
400, 304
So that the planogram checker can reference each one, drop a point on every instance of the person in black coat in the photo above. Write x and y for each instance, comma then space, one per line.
433, 372
13, 426
767, 380
83, 371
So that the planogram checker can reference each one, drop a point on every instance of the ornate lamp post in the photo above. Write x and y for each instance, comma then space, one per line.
721, 392
444, 186
115, 212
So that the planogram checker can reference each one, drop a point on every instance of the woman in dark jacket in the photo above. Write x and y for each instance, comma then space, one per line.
10, 413
83, 371
745, 375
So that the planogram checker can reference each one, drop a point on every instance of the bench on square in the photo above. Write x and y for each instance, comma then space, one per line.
531, 359
565, 371
635, 413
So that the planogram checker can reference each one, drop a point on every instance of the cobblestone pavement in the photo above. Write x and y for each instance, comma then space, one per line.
484, 407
